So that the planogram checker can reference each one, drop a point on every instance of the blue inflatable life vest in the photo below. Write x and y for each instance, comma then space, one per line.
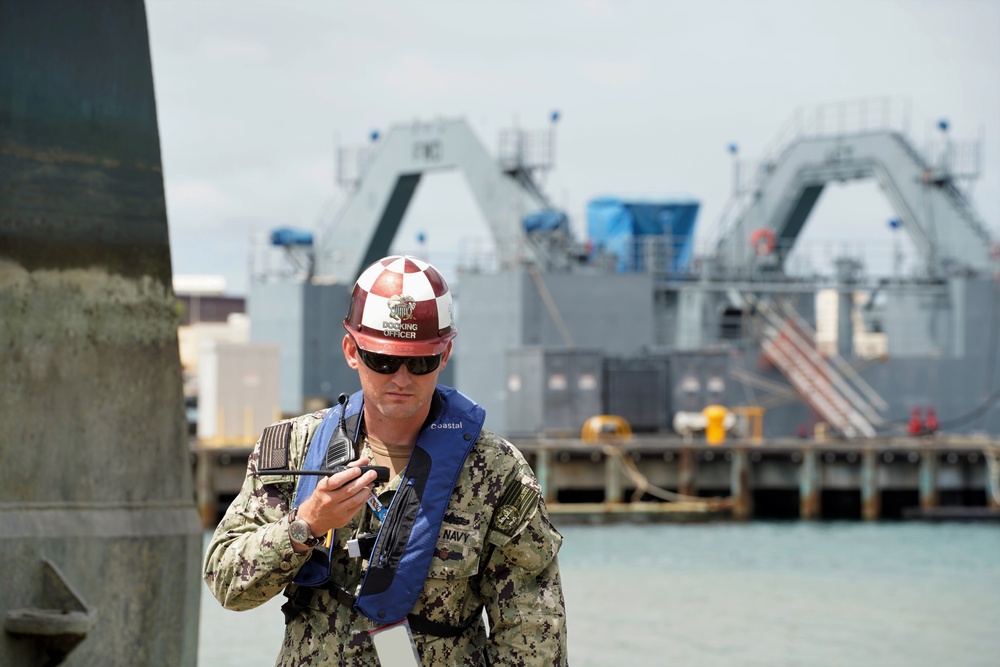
404, 547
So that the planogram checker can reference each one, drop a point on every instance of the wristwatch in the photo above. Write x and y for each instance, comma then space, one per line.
298, 530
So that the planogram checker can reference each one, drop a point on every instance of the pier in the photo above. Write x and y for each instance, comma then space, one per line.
668, 479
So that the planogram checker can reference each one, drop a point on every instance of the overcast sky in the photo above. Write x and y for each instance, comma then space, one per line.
253, 97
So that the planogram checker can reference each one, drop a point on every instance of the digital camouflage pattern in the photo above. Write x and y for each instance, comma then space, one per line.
495, 513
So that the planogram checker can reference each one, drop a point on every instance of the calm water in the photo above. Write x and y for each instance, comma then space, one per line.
761, 593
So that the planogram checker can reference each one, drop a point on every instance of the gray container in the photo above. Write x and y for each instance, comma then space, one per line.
639, 391
552, 392
699, 379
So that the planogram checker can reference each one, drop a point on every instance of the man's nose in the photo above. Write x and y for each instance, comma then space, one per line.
402, 376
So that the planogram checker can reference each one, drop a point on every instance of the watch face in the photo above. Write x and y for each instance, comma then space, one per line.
298, 530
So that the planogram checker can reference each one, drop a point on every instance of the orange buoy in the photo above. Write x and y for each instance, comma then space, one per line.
762, 241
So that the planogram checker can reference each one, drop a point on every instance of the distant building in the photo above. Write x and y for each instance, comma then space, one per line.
204, 299
207, 314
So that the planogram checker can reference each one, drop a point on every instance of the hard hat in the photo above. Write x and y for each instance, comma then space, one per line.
401, 306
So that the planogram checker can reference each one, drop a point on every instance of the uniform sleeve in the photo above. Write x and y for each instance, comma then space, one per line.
521, 587
250, 557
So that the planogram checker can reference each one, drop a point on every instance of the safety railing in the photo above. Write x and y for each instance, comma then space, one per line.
353, 163
813, 258
956, 158
526, 149
842, 118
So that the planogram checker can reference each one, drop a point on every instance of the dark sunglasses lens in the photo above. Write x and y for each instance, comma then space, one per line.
388, 364
380, 363
423, 365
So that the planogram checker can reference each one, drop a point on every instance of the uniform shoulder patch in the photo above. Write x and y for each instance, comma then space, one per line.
274, 446
517, 503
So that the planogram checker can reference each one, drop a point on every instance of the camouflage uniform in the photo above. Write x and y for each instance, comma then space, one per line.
495, 515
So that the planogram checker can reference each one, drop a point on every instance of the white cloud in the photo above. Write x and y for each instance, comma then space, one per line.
198, 194
242, 51
611, 73
196, 204
599, 9
416, 76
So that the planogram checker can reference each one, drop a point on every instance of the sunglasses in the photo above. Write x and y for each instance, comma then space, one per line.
387, 364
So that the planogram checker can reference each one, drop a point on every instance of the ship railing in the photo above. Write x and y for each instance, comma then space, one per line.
842, 118
531, 150
820, 384
872, 396
810, 385
803, 340
835, 119
813, 260
955, 158
353, 163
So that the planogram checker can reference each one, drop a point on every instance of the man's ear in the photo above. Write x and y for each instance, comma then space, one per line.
446, 355
350, 352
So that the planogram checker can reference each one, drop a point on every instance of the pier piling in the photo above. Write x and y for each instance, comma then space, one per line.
613, 492
741, 490
772, 479
871, 497
809, 485
992, 456
688, 464
928, 479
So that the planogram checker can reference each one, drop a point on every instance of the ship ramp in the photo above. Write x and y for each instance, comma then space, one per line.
851, 142
383, 177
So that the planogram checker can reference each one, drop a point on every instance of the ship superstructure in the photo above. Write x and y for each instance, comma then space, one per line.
632, 321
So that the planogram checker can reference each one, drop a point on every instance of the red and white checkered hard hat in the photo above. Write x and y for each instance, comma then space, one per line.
401, 306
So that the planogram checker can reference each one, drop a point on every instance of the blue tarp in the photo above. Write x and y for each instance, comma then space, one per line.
286, 236
617, 226
549, 220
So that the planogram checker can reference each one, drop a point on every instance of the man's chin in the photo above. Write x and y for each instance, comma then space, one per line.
400, 408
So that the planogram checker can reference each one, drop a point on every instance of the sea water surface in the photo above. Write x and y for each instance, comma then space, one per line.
729, 594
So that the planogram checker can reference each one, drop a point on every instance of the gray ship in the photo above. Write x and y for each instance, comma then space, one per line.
633, 322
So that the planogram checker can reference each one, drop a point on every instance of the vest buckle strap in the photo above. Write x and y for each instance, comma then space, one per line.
417, 623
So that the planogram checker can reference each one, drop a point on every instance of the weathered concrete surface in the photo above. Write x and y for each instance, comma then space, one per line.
92, 435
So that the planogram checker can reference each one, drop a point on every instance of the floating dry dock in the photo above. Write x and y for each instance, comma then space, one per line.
658, 478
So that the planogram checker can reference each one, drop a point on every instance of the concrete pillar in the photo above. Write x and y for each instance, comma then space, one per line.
810, 485
740, 486
98, 503
687, 468
871, 497
928, 479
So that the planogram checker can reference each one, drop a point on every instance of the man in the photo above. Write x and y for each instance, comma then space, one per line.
460, 527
